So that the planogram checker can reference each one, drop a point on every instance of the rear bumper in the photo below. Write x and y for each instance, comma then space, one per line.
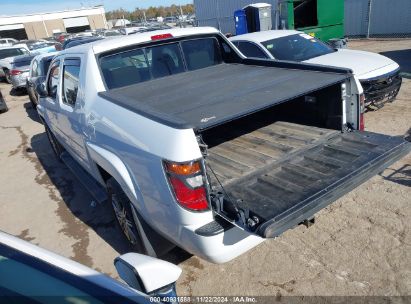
219, 248
19, 81
381, 90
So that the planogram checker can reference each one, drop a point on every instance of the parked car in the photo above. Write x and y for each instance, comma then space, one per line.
37, 46
7, 41
7, 55
38, 70
109, 33
85, 34
19, 72
171, 19
131, 30
71, 42
378, 75
30, 274
194, 145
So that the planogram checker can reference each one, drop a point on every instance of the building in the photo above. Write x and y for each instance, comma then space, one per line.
42, 25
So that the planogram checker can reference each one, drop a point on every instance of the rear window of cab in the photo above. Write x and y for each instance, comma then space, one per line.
152, 62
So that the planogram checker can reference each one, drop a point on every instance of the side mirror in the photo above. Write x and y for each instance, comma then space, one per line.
41, 89
147, 274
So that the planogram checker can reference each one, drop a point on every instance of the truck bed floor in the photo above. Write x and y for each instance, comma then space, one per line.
238, 158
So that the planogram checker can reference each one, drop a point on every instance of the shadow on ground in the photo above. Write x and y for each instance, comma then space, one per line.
400, 176
78, 204
32, 112
18, 92
402, 57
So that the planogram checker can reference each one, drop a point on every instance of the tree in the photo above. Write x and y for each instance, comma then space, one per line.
152, 12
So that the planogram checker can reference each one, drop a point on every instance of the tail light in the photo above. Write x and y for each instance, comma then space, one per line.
15, 72
187, 183
362, 110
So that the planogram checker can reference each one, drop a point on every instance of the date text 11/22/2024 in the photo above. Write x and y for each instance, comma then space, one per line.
204, 299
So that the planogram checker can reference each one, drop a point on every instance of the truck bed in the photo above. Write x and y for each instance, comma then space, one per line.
242, 156
283, 173
207, 97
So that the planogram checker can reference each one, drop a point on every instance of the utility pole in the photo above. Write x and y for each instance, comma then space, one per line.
369, 18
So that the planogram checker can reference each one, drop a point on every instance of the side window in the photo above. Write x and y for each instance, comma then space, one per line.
34, 69
251, 50
71, 72
24, 51
53, 80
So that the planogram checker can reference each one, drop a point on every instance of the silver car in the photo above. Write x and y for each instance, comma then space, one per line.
20, 68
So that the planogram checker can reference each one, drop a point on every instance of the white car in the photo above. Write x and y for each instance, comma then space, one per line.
30, 274
378, 75
7, 41
7, 55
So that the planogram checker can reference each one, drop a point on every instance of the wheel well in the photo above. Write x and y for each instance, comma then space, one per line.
104, 174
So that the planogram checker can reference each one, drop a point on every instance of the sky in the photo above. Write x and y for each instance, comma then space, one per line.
21, 7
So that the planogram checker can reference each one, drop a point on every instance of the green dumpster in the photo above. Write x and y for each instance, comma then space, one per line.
323, 19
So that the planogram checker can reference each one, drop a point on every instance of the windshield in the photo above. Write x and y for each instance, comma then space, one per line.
298, 47
142, 64
20, 64
4, 53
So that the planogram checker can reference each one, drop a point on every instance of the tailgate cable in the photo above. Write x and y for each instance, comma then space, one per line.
222, 201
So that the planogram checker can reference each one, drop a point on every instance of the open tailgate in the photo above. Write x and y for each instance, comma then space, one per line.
286, 193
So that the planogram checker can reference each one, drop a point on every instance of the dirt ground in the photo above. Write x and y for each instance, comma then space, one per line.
360, 245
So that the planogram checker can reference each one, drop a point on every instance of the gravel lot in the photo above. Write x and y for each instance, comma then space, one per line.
360, 245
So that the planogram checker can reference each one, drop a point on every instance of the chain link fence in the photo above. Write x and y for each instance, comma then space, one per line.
363, 18
377, 18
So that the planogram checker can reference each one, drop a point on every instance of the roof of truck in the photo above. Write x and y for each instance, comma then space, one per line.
121, 41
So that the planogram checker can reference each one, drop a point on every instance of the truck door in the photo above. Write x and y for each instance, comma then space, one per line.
50, 105
71, 109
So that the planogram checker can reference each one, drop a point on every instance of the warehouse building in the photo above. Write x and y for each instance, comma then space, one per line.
42, 25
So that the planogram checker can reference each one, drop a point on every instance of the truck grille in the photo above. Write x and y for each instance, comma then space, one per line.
380, 90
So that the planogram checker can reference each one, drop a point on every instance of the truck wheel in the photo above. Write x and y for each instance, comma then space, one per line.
55, 145
124, 215
32, 97
7, 75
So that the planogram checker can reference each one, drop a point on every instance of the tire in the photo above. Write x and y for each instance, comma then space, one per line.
7, 75
125, 218
31, 97
55, 145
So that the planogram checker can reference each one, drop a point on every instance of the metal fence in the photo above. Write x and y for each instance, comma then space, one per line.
363, 18
377, 18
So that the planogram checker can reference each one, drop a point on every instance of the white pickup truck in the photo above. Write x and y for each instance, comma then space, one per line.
202, 148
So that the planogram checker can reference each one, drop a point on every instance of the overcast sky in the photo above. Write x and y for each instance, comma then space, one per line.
19, 7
